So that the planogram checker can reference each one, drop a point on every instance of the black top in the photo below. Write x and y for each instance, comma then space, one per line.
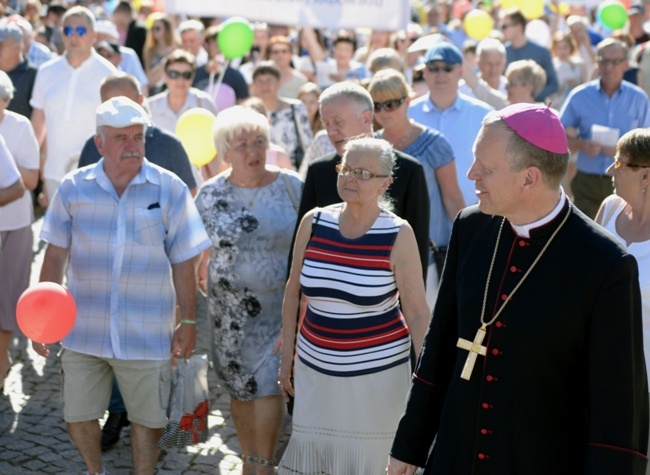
562, 389
408, 192
135, 38
231, 77
22, 77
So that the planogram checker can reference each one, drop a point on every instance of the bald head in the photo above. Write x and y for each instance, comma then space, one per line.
121, 84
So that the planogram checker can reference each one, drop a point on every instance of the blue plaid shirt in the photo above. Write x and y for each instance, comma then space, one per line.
121, 253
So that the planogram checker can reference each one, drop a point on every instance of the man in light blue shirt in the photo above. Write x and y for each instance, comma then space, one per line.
128, 232
457, 116
595, 115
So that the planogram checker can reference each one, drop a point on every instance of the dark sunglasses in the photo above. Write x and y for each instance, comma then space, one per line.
436, 69
187, 75
70, 30
389, 106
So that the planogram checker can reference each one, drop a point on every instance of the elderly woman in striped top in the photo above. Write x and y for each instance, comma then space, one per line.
355, 262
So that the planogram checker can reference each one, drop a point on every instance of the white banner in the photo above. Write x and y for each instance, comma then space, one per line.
378, 14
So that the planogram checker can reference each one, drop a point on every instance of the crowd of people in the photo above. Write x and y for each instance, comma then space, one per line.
377, 198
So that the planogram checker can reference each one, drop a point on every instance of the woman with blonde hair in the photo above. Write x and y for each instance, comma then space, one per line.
392, 96
249, 212
526, 79
626, 214
161, 40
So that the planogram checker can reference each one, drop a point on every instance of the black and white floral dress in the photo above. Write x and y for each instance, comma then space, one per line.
251, 231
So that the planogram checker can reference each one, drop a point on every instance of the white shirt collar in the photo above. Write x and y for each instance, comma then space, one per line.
524, 229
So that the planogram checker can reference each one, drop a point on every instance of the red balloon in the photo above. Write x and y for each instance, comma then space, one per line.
46, 312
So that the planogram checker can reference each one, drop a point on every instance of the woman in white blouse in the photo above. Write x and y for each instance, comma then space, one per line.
626, 214
15, 219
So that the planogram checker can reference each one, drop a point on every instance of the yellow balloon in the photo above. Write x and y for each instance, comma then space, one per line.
505, 4
194, 128
563, 8
152, 18
137, 4
478, 24
532, 9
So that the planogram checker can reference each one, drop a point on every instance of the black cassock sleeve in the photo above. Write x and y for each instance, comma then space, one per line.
419, 423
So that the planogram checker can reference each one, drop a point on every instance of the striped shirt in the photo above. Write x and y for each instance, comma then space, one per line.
353, 324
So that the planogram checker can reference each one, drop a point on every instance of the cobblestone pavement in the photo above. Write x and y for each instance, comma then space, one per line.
34, 438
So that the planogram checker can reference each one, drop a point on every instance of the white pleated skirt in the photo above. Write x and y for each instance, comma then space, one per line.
344, 426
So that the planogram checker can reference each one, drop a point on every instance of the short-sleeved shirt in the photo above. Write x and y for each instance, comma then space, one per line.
131, 64
69, 97
39, 54
165, 118
433, 151
459, 124
160, 147
121, 254
23, 147
588, 104
8, 171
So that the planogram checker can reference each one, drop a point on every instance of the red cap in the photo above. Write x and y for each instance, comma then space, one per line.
537, 125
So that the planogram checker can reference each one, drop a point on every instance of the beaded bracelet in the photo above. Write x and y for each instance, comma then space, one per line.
189, 322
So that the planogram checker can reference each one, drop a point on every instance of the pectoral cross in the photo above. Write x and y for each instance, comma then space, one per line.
474, 349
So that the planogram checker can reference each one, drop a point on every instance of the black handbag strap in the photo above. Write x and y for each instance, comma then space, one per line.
295, 124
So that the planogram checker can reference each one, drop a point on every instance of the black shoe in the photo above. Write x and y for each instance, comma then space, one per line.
113, 427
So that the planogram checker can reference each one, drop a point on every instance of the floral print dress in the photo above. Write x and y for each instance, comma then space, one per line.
251, 231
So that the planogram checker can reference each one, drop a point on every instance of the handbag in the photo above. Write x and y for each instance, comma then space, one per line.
188, 404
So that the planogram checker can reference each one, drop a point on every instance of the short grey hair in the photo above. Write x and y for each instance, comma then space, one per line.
608, 43
522, 154
490, 45
84, 12
6, 87
350, 91
383, 151
235, 120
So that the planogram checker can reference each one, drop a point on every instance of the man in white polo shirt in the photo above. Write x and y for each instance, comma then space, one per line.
66, 96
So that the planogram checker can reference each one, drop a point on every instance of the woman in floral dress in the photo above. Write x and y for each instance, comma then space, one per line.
250, 213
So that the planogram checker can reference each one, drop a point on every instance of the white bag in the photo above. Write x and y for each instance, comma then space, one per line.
188, 404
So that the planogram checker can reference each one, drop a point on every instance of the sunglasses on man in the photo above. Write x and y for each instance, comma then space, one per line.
71, 30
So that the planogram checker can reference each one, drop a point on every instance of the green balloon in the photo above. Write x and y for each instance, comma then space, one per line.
612, 15
235, 38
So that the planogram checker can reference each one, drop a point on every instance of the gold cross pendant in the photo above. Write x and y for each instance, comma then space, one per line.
474, 349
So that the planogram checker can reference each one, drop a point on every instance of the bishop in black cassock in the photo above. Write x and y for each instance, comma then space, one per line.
559, 384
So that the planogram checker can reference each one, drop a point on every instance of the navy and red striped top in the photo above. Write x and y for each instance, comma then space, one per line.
353, 324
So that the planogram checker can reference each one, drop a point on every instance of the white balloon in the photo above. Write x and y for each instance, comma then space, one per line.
539, 32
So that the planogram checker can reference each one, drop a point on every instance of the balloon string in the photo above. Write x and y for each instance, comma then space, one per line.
214, 89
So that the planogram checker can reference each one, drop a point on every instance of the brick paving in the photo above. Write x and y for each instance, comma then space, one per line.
34, 438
